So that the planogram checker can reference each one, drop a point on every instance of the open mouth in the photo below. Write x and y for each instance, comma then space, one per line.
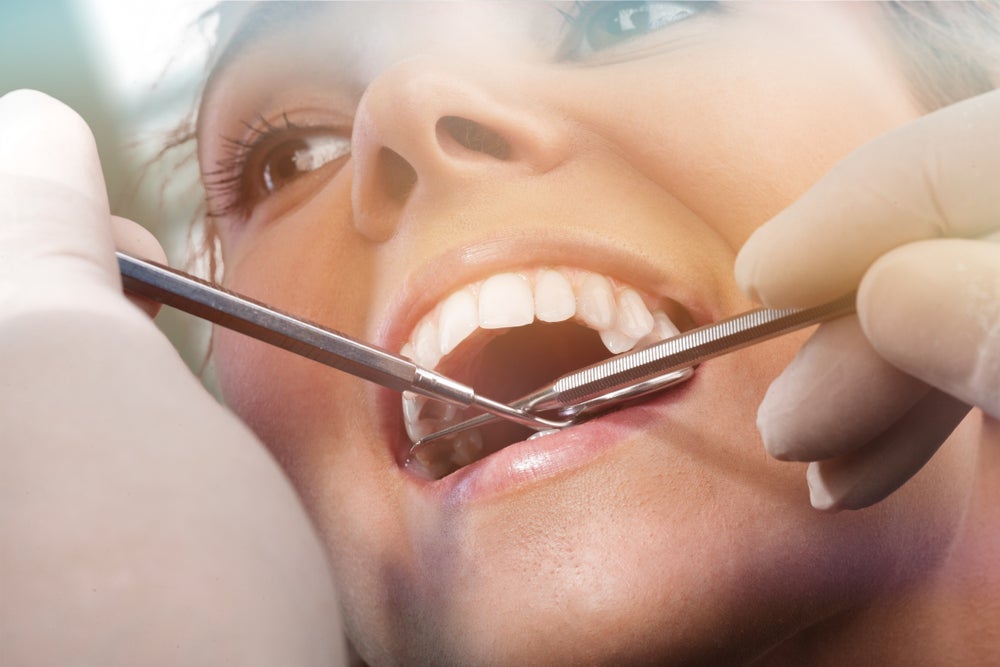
513, 332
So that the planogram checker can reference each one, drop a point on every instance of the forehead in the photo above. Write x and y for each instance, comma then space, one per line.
372, 35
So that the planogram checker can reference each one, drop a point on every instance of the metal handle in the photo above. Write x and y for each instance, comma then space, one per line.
239, 313
691, 348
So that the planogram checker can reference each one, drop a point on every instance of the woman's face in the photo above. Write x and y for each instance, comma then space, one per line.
635, 146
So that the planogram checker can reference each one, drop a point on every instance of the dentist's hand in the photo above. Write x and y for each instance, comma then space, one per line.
57, 235
906, 220
140, 519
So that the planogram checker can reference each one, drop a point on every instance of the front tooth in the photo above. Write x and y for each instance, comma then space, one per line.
663, 326
426, 345
505, 300
411, 407
459, 317
663, 329
634, 319
595, 302
616, 341
554, 299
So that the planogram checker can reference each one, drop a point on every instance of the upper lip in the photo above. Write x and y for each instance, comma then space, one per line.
430, 284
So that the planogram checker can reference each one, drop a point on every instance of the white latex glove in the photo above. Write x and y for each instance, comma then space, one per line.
142, 523
57, 233
906, 220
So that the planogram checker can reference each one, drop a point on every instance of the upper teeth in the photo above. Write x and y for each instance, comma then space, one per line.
620, 314
617, 312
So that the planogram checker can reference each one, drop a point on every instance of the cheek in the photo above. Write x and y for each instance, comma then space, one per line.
309, 264
270, 389
739, 134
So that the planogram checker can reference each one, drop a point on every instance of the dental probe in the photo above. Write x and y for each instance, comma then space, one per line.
233, 311
651, 369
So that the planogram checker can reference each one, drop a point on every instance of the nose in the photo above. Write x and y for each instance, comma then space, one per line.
424, 127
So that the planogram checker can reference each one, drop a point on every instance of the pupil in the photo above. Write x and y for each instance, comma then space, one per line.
280, 166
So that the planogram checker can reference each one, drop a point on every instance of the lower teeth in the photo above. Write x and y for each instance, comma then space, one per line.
542, 434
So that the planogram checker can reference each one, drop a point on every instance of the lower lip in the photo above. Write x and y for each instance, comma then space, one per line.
529, 462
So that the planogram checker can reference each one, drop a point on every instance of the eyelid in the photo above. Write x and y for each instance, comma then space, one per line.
577, 47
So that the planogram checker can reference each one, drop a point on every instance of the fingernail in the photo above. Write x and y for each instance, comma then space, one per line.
42, 138
820, 495
776, 429
743, 269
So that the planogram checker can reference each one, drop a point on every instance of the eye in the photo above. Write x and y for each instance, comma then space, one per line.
297, 156
249, 170
602, 25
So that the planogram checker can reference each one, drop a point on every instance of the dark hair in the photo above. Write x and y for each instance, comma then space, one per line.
948, 51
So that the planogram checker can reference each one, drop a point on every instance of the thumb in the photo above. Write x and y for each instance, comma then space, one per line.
135, 239
56, 247
932, 309
932, 178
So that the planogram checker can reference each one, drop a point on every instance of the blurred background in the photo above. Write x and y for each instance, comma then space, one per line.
133, 70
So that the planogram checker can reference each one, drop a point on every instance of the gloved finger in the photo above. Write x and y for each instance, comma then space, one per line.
55, 233
835, 395
135, 239
872, 472
933, 310
934, 177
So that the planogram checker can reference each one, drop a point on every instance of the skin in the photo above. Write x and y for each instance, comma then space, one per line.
652, 163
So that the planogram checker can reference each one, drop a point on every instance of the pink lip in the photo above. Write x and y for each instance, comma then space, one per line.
533, 461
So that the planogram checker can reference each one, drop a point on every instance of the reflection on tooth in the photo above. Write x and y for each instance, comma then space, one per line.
431, 409
595, 302
459, 317
438, 410
423, 416
426, 348
466, 447
505, 300
634, 319
616, 341
411, 407
554, 299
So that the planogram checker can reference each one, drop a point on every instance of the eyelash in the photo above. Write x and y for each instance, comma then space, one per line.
226, 186
574, 24
229, 192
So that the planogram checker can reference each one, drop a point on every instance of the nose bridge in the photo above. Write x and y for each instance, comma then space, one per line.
427, 124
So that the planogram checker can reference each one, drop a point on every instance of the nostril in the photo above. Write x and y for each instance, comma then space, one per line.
473, 136
396, 174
